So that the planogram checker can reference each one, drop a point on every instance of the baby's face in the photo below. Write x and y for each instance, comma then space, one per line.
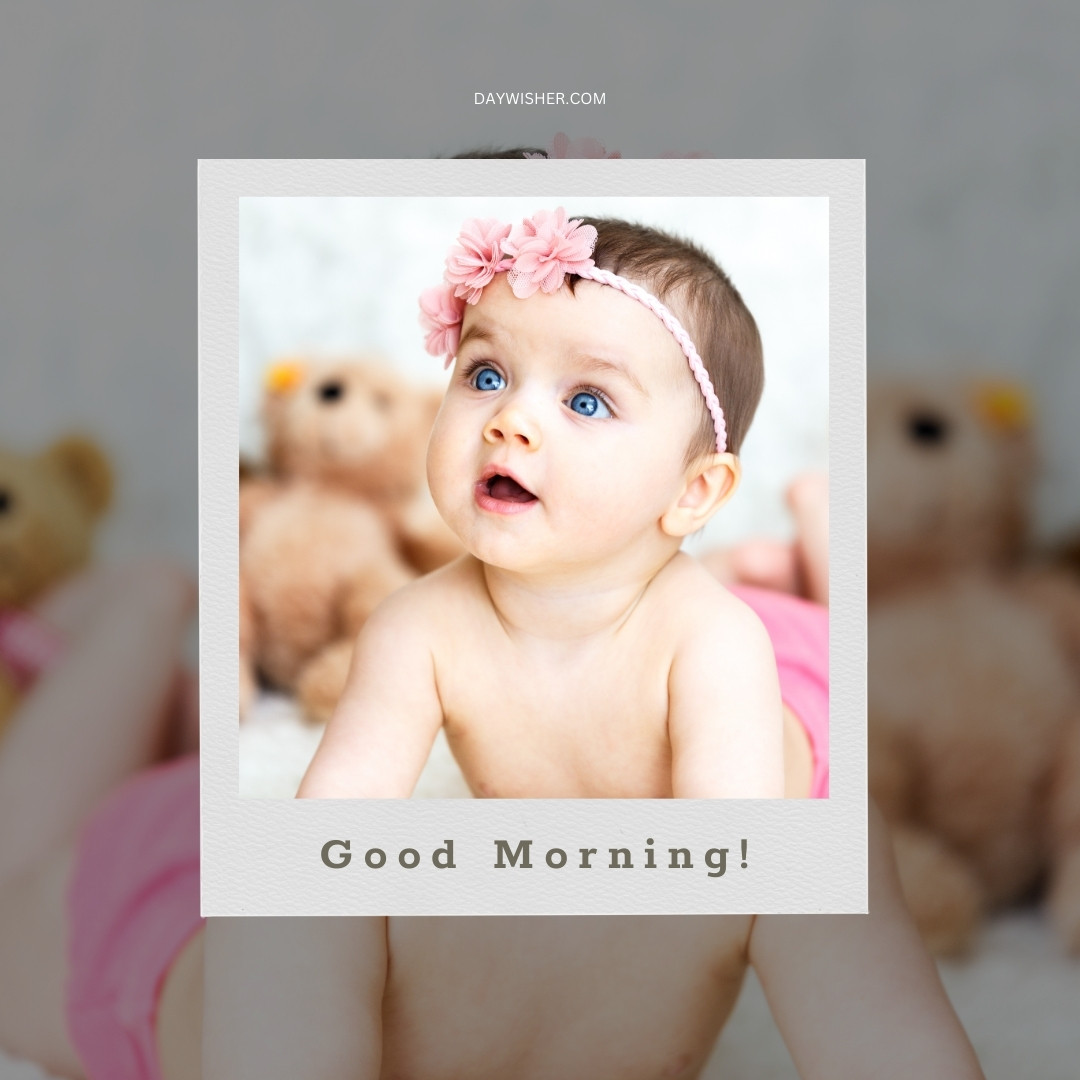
562, 437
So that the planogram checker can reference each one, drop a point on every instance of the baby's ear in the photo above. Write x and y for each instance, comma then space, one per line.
709, 484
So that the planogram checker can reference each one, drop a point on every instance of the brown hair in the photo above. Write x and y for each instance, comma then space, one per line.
494, 153
692, 284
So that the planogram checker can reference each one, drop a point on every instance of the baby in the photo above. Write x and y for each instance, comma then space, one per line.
107, 971
633, 998
574, 651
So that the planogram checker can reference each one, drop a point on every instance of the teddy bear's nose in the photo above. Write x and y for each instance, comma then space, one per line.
6, 501
928, 429
332, 390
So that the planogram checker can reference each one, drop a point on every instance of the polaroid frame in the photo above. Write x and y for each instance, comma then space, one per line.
287, 857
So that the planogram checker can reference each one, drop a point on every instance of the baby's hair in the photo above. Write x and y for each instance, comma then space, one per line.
692, 284
494, 153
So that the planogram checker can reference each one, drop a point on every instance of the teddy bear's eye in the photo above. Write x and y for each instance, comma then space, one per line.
383, 401
928, 428
332, 390
6, 501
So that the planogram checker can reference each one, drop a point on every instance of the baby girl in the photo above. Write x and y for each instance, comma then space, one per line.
604, 378
107, 971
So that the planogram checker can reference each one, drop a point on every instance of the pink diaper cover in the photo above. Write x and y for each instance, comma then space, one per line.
132, 904
28, 645
799, 631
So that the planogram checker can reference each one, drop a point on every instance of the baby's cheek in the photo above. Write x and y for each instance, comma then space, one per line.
444, 468
631, 494
626, 481
603, 506
436, 474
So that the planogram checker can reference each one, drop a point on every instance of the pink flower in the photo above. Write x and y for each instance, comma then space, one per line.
476, 258
546, 247
441, 313
562, 146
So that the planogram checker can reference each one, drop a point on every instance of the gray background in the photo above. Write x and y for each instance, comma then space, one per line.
965, 113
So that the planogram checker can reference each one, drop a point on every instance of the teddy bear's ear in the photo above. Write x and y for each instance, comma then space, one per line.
1004, 407
84, 465
284, 376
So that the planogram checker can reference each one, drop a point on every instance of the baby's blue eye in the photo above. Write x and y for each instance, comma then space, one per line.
586, 404
488, 379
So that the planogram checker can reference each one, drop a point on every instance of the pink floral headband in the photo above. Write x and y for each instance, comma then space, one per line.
535, 256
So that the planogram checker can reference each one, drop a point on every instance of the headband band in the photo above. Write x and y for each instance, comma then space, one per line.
536, 256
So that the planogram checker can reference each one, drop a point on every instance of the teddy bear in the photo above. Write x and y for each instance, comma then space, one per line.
50, 505
974, 655
339, 520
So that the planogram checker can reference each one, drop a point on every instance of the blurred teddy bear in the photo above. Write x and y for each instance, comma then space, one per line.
341, 519
50, 505
974, 699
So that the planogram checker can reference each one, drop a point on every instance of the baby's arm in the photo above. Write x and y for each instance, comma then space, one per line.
725, 718
287, 998
381, 733
858, 995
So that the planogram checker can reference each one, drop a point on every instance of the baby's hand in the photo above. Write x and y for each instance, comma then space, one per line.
381, 733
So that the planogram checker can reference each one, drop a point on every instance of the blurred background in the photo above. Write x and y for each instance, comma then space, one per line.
963, 111
963, 120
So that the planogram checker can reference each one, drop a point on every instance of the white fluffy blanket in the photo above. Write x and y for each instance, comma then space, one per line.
276, 745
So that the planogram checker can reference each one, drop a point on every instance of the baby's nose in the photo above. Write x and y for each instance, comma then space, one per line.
513, 424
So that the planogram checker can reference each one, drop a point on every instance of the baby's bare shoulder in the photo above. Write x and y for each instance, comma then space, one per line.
696, 607
435, 600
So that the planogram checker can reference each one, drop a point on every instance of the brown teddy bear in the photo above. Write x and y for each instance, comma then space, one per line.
341, 520
50, 505
974, 700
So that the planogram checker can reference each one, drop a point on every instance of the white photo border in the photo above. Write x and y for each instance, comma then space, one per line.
264, 856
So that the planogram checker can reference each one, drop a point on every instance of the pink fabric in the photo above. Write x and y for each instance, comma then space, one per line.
133, 903
799, 631
543, 249
562, 146
28, 645
441, 314
476, 259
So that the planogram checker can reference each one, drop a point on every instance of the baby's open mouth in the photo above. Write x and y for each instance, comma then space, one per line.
507, 489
